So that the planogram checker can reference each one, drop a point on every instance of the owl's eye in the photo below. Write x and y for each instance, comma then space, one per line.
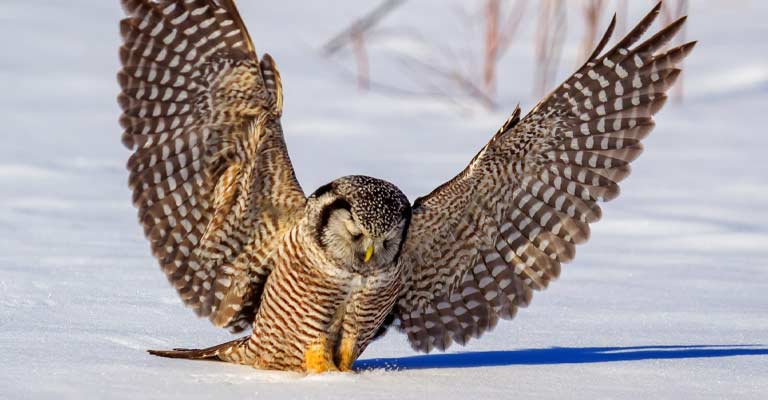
357, 237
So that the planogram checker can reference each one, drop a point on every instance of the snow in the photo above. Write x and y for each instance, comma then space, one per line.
669, 299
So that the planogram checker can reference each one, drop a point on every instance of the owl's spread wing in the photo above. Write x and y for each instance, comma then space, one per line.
479, 244
210, 172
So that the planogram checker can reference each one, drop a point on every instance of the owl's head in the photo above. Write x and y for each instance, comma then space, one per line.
361, 222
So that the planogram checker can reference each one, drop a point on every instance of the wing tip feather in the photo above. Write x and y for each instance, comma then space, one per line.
604, 40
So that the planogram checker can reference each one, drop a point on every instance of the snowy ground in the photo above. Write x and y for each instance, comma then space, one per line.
669, 299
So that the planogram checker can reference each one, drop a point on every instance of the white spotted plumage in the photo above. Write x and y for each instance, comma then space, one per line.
319, 278
576, 146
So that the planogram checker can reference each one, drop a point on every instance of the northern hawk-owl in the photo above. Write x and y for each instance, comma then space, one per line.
318, 278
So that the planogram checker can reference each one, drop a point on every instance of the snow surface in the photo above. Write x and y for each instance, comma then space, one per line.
669, 299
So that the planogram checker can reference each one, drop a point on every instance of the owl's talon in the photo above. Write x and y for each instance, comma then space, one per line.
318, 358
346, 354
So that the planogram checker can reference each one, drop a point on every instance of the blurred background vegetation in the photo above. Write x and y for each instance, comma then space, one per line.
470, 69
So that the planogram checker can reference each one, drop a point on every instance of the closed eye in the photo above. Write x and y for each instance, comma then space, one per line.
357, 237
395, 232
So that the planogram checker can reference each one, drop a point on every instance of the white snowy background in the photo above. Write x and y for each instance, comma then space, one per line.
669, 298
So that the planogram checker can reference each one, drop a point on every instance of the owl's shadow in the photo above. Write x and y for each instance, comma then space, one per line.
560, 355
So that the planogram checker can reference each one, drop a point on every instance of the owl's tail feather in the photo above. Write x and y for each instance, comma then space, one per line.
234, 351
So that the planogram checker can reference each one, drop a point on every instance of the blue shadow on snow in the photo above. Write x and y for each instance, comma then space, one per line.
559, 355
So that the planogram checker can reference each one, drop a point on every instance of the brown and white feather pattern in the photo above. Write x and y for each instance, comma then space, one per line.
308, 299
480, 244
210, 173
235, 235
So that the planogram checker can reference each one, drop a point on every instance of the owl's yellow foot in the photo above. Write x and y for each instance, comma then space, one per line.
318, 358
346, 354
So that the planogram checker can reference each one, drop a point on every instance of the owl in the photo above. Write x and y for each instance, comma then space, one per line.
318, 278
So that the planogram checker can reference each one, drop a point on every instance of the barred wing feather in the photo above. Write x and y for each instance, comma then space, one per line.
481, 243
210, 172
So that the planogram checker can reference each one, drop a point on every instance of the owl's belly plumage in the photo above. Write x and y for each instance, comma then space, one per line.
318, 318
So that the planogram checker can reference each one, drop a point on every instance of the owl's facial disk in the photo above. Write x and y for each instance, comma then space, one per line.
361, 222
347, 242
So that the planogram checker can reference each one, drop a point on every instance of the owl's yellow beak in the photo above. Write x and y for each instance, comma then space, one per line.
369, 253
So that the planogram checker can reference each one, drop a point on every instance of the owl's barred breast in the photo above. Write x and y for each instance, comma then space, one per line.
309, 302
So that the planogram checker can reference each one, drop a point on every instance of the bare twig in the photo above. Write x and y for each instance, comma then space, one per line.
511, 24
592, 11
497, 39
549, 42
427, 89
360, 26
462, 81
355, 34
492, 11
468, 48
363, 72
